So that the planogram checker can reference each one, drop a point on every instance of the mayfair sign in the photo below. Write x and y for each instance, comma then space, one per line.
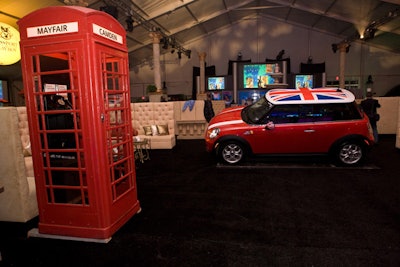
52, 29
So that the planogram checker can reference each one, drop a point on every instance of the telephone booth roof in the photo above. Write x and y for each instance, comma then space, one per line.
72, 21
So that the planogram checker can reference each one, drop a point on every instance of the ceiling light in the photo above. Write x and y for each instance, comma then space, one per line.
369, 33
129, 24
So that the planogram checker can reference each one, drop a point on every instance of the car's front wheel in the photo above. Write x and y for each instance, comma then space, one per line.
231, 152
350, 153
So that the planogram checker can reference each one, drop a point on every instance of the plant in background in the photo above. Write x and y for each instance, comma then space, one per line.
151, 88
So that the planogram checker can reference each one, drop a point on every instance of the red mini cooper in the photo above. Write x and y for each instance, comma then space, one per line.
321, 121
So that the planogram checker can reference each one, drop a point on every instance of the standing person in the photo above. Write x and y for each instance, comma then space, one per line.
369, 105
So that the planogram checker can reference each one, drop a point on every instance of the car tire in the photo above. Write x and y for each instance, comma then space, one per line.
350, 153
232, 152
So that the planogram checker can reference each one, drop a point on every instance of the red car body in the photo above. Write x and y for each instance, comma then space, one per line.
314, 136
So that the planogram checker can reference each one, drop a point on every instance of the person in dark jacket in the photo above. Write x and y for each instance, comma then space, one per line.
370, 105
208, 108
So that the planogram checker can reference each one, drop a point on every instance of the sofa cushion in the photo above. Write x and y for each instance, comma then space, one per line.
162, 142
162, 129
147, 130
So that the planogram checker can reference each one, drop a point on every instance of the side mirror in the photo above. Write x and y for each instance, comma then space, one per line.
270, 125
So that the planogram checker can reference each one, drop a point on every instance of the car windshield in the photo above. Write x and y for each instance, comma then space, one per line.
253, 114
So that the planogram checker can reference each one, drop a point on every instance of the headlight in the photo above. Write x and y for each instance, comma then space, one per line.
213, 133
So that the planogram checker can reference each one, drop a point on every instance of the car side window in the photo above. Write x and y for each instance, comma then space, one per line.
283, 114
324, 112
338, 112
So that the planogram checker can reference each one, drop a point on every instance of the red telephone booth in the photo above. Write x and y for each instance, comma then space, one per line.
76, 79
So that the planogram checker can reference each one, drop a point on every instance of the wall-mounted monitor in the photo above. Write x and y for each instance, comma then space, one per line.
259, 75
304, 81
216, 83
219, 82
315, 80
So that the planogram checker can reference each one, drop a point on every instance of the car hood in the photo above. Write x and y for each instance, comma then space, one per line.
228, 116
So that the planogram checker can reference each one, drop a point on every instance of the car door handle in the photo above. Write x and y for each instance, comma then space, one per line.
309, 131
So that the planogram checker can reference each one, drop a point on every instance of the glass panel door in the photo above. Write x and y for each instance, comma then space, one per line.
56, 95
118, 125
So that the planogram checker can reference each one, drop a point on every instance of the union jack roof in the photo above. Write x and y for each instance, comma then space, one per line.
308, 96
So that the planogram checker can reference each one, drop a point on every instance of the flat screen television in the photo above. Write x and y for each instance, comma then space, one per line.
315, 80
257, 75
304, 81
216, 83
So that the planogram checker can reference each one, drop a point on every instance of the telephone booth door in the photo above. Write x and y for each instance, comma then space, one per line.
78, 103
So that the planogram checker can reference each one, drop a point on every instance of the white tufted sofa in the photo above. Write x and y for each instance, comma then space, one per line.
155, 113
18, 200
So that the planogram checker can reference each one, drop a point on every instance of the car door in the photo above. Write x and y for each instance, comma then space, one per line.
292, 132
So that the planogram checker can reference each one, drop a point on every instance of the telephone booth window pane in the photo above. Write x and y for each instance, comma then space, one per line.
120, 180
69, 196
112, 64
70, 178
113, 82
61, 140
122, 186
54, 61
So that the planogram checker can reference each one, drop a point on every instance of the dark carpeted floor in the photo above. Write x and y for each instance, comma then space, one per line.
198, 213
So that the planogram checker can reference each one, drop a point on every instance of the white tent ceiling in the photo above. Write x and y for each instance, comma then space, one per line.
188, 20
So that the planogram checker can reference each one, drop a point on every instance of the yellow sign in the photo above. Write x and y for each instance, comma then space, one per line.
9, 45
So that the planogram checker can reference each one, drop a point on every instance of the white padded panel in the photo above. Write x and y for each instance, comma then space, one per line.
177, 110
29, 167
23, 127
200, 110
218, 106
163, 111
187, 115
164, 114
142, 115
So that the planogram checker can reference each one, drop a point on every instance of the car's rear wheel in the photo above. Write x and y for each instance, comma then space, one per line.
350, 153
231, 152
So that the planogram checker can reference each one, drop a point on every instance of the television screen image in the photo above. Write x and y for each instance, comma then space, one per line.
249, 97
3, 90
304, 81
257, 75
216, 83
216, 96
227, 96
